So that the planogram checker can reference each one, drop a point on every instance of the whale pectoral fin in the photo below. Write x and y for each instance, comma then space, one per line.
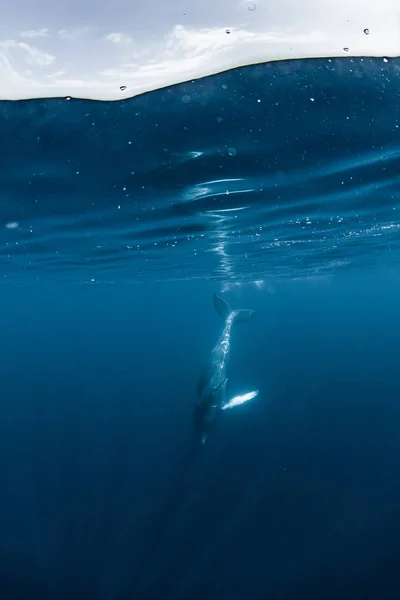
239, 400
222, 307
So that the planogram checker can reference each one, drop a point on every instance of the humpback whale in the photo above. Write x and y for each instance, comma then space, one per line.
212, 385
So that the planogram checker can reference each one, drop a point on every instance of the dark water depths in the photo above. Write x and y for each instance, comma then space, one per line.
104, 492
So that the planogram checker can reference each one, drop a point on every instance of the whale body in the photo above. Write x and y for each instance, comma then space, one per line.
212, 387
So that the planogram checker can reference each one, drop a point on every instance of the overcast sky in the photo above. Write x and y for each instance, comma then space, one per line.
90, 49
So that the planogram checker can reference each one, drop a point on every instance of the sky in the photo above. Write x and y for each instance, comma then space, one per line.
87, 50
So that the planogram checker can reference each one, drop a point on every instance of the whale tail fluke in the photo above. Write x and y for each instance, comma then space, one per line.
225, 311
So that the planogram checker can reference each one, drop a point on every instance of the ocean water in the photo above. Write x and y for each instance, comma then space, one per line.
277, 187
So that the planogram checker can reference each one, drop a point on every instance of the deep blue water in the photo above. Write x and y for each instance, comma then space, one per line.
276, 186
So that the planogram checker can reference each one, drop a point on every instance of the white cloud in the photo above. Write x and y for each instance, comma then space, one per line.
9, 74
72, 35
211, 40
118, 38
56, 74
35, 33
185, 51
31, 55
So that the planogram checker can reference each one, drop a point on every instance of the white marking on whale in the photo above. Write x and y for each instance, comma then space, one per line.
238, 400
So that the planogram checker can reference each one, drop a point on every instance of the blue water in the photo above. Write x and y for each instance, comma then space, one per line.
276, 186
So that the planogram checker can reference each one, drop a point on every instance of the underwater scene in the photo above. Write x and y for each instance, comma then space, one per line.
200, 371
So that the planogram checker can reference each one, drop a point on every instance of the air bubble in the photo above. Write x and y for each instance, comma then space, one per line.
122, 88
228, 31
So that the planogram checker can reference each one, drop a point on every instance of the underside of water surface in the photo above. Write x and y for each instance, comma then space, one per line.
284, 169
